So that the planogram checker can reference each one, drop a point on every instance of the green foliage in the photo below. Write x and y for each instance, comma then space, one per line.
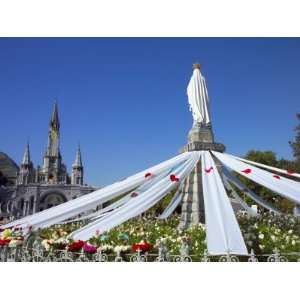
296, 143
266, 232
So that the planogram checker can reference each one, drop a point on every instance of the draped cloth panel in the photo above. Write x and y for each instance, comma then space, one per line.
84, 203
223, 234
227, 185
283, 186
172, 205
236, 182
118, 203
46, 223
140, 203
286, 172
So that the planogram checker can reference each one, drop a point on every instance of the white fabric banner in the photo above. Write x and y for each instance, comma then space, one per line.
248, 192
100, 213
275, 183
84, 203
172, 205
140, 204
236, 197
286, 172
223, 234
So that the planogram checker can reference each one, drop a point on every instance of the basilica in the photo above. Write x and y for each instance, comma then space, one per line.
25, 189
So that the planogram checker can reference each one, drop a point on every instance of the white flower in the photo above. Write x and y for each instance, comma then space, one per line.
261, 236
273, 237
106, 247
46, 245
290, 231
15, 243
261, 247
293, 242
121, 248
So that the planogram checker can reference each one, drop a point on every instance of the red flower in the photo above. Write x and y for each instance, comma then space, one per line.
174, 178
141, 246
76, 246
208, 170
247, 171
4, 242
276, 176
134, 194
148, 175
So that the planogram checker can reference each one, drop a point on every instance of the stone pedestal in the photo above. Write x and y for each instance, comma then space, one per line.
192, 211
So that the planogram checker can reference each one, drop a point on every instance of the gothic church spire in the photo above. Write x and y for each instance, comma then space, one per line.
53, 136
26, 157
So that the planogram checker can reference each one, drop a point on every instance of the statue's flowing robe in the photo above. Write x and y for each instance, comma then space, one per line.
198, 98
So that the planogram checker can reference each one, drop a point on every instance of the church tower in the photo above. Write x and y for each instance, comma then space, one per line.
26, 173
53, 170
77, 169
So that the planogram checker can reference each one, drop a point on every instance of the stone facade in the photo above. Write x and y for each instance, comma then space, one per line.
36, 189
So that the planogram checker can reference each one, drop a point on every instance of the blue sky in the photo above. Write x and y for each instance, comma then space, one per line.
125, 99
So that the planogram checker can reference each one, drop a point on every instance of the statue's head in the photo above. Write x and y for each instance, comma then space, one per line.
196, 66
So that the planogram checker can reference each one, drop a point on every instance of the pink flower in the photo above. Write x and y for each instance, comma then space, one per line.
89, 249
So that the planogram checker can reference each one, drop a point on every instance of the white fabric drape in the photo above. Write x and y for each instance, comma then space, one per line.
249, 210
172, 205
84, 203
140, 203
286, 172
223, 234
100, 213
236, 182
281, 185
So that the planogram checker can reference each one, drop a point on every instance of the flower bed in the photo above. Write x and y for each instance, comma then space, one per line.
263, 234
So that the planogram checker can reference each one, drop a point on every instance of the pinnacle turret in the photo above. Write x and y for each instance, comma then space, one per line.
77, 169
26, 157
78, 159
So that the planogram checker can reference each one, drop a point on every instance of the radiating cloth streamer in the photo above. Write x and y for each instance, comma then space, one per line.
172, 205
286, 172
104, 211
227, 185
248, 192
282, 186
84, 203
223, 234
48, 223
139, 205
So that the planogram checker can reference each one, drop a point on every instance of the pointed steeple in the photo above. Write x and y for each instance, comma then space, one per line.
77, 169
54, 122
78, 159
26, 173
53, 136
26, 156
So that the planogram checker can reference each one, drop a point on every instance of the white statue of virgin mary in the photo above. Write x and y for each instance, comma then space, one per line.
198, 97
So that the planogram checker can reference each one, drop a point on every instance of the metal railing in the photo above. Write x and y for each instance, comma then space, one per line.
25, 254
